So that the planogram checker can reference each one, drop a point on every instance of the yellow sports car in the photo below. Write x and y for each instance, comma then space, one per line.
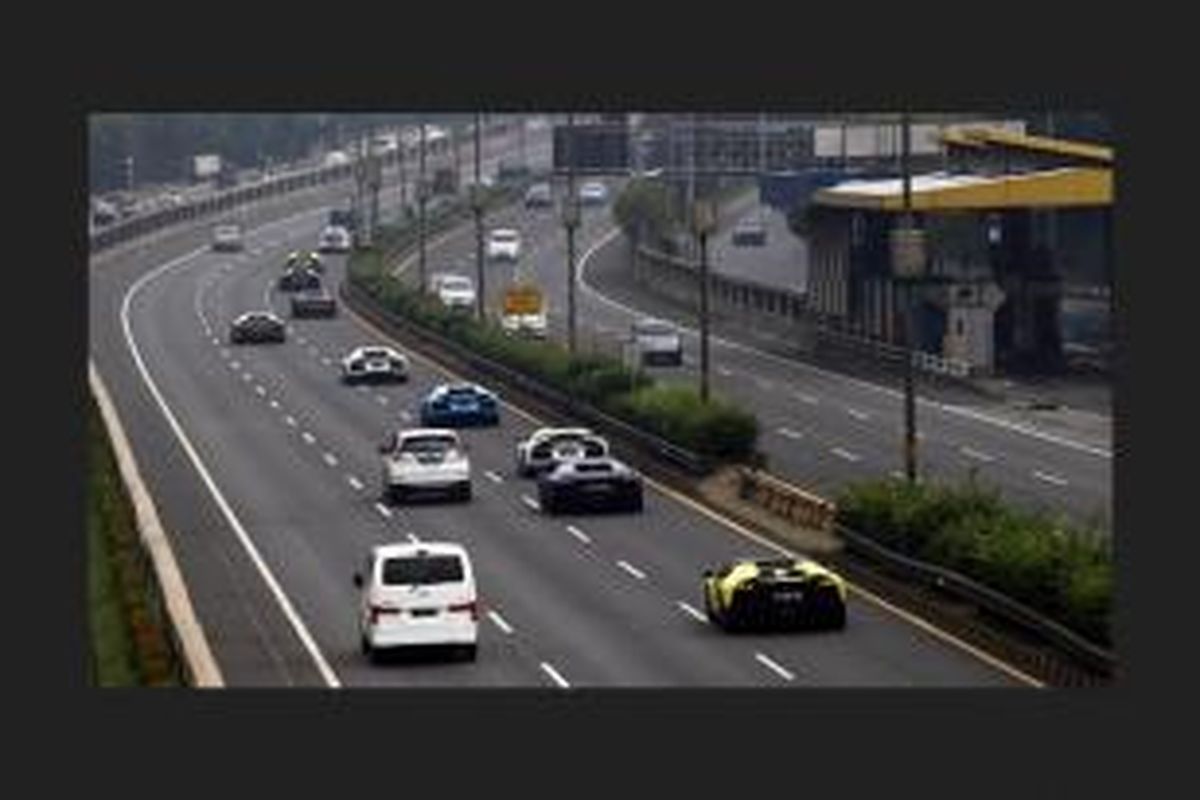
774, 593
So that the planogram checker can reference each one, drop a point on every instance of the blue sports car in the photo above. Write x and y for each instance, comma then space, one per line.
458, 405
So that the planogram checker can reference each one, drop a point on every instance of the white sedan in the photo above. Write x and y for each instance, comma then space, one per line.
334, 239
503, 244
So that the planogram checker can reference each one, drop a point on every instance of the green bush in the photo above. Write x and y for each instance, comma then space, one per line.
676, 413
1061, 571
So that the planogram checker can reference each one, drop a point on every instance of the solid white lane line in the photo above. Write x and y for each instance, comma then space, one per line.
298, 626
1025, 429
789, 433
355, 482
290, 420
330, 459
691, 611
382, 509
846, 454
806, 398
1057, 480
771, 665
500, 623
529, 501
632, 570
553, 673
578, 534
969, 453
858, 415
493, 477
308, 437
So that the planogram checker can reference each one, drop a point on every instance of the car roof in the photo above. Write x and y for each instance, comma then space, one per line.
377, 347
504, 232
258, 315
412, 433
410, 549
544, 432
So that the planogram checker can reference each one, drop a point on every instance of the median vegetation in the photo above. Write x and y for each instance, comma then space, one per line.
672, 411
129, 642
1060, 570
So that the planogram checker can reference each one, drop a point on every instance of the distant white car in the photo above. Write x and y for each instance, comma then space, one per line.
455, 292
374, 363
415, 594
593, 193
336, 158
425, 460
503, 244
657, 342
546, 448
334, 239
227, 238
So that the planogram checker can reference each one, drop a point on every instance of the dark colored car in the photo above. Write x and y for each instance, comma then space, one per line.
257, 326
297, 279
317, 303
591, 484
459, 405
774, 594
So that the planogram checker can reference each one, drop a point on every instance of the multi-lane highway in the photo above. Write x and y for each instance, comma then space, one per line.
263, 468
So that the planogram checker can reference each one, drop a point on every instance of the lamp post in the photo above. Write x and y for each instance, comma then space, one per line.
422, 191
570, 218
908, 260
704, 221
477, 208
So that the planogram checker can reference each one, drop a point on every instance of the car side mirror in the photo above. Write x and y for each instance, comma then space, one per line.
358, 579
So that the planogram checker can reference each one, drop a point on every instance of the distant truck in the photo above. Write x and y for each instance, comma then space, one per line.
206, 166
524, 311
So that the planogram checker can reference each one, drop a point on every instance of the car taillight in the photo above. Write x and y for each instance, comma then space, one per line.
379, 611
472, 607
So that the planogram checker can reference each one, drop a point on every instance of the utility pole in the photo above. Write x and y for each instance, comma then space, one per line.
477, 207
571, 221
704, 220
129, 173
908, 262
422, 191
401, 149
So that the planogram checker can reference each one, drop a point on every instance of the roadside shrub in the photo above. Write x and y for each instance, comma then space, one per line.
676, 413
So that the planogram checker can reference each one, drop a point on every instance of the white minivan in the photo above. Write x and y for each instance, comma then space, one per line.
418, 594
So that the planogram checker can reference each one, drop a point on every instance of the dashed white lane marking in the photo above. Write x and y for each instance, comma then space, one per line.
1057, 480
412, 537
771, 665
969, 453
355, 482
632, 570
858, 415
382, 509
330, 459
260, 391
493, 477
381, 399
406, 416
302, 340
529, 501
308, 437
578, 534
500, 623
315, 352
275, 404
234, 365
724, 371
687, 609
216, 340
290, 420
846, 454
247, 377
553, 673
806, 398
791, 434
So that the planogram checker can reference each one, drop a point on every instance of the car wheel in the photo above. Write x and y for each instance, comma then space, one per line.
549, 504
836, 618
464, 491
635, 501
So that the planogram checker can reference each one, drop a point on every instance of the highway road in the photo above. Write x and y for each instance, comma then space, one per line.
264, 471
819, 428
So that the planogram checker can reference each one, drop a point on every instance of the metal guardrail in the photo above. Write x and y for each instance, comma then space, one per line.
1001, 605
364, 303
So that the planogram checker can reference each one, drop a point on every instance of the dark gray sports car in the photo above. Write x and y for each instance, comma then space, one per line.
257, 326
591, 484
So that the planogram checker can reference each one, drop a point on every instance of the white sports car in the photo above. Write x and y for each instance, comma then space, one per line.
374, 364
419, 460
546, 448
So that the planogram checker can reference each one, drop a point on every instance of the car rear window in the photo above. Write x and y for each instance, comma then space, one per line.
593, 468
504, 236
456, 284
654, 328
427, 444
422, 570
375, 353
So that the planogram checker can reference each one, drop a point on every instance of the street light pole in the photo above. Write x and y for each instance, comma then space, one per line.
704, 222
910, 417
421, 192
571, 220
477, 207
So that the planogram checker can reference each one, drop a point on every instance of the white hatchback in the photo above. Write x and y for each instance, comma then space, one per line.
503, 244
418, 594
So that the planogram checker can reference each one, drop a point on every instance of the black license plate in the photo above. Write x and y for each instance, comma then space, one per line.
424, 612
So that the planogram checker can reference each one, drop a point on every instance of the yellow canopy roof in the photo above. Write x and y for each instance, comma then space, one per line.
1068, 187
983, 138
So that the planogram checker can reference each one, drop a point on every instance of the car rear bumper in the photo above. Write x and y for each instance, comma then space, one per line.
424, 631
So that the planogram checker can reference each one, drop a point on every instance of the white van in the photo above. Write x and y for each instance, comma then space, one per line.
417, 594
